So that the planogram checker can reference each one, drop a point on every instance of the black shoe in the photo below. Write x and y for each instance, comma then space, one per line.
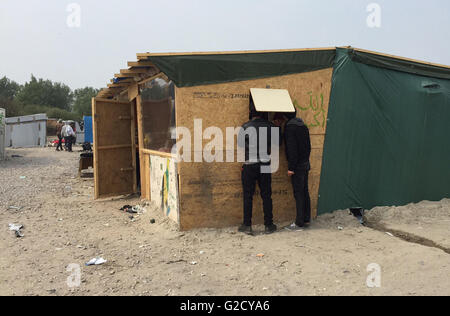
271, 229
245, 229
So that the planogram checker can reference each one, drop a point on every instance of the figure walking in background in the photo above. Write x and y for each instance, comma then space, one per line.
68, 135
59, 127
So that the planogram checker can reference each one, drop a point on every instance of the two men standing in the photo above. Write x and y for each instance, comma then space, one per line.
298, 150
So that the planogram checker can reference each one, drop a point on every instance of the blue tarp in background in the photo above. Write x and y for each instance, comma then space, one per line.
88, 135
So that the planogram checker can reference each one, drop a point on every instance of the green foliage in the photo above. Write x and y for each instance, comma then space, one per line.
8, 89
44, 96
46, 93
63, 114
83, 100
12, 107
51, 112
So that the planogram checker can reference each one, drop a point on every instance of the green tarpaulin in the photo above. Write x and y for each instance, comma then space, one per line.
387, 140
399, 64
194, 70
388, 135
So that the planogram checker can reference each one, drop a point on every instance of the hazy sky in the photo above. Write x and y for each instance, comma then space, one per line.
35, 37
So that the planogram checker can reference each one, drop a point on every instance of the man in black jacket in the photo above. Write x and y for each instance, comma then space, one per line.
256, 160
298, 151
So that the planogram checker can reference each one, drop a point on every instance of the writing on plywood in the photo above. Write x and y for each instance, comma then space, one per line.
316, 106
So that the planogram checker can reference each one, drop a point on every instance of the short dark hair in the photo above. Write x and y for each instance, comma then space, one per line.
291, 115
254, 112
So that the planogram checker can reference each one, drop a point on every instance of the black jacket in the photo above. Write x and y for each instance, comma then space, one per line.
254, 146
298, 144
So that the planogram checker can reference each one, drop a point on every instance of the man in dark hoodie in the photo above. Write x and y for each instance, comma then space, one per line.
298, 150
255, 159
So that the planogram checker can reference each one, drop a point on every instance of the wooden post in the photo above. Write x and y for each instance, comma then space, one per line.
95, 138
144, 176
133, 144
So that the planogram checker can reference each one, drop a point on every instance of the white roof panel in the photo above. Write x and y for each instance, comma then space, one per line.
272, 100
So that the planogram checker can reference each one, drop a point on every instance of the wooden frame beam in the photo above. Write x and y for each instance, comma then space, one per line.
124, 76
146, 55
118, 85
140, 64
135, 71
130, 80
159, 75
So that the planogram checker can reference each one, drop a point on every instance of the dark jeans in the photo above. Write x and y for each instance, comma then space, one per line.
59, 143
69, 143
301, 194
250, 175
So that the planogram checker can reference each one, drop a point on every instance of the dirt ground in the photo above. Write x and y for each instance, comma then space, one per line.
63, 226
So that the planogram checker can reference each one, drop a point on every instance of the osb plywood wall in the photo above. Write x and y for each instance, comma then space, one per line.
211, 193
164, 185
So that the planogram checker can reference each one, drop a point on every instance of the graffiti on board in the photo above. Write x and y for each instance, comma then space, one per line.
316, 106
164, 185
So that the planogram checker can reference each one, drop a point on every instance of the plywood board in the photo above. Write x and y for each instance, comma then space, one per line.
164, 185
211, 194
272, 100
114, 151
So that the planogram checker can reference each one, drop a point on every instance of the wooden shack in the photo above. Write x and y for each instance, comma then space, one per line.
136, 116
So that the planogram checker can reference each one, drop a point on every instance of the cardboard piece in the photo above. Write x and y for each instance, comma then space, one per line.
272, 100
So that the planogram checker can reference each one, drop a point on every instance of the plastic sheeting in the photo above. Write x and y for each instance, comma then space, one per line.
194, 70
88, 132
387, 139
403, 65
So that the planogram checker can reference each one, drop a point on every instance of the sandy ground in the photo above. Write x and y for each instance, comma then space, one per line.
64, 226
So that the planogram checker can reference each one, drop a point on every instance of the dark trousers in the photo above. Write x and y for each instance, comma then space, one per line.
68, 141
59, 143
250, 175
302, 198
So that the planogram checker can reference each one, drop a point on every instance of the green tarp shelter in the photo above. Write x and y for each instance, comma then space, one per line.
387, 140
388, 134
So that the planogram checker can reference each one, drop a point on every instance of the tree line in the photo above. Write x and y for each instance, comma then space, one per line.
36, 96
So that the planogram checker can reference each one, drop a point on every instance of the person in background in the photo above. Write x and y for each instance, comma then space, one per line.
298, 151
63, 133
252, 171
59, 127
68, 135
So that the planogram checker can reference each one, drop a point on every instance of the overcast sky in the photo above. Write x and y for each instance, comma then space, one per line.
36, 38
